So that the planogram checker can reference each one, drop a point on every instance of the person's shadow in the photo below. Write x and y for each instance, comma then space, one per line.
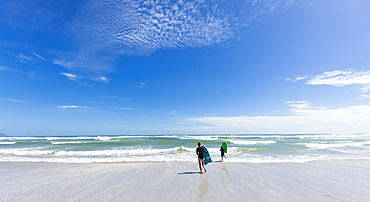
189, 173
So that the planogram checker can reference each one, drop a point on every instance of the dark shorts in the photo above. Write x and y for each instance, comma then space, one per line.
201, 157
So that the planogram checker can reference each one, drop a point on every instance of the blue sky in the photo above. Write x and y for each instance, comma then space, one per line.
184, 67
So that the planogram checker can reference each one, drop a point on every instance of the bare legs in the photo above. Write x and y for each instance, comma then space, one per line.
201, 163
205, 170
200, 166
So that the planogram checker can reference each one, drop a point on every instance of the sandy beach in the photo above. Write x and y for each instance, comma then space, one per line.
341, 180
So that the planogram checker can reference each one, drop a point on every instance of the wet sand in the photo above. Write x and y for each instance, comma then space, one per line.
339, 180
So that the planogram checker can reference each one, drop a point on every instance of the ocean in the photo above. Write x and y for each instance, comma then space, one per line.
181, 148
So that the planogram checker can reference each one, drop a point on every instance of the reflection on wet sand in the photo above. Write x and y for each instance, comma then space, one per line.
203, 185
225, 169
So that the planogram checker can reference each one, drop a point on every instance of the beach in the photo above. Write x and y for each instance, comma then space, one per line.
326, 180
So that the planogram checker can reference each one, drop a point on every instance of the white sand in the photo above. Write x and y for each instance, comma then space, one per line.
345, 180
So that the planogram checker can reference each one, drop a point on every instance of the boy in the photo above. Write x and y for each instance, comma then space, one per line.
222, 153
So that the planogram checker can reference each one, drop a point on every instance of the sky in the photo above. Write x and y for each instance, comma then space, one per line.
184, 67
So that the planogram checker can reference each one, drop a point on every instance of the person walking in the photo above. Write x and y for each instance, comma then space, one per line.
200, 154
222, 153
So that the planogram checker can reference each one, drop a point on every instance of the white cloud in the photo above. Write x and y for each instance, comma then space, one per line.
102, 79
78, 79
124, 108
85, 84
141, 85
297, 78
301, 106
150, 25
68, 65
165, 112
2, 68
364, 96
74, 107
37, 55
111, 28
304, 119
13, 100
96, 102
98, 60
113, 97
24, 59
104, 30
340, 78
33, 75
72, 77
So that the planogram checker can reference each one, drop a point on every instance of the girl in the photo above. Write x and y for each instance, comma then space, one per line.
199, 152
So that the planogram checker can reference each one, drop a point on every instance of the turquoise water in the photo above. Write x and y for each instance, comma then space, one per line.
171, 148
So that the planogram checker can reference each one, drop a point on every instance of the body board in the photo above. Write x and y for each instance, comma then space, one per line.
207, 157
224, 145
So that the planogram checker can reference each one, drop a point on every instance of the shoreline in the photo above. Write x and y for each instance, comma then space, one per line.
322, 180
195, 161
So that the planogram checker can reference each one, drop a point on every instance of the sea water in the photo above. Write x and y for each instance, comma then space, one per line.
181, 148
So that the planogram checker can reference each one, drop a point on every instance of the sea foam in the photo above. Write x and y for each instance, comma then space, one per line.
257, 148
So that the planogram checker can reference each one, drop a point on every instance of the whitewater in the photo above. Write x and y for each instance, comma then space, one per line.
256, 148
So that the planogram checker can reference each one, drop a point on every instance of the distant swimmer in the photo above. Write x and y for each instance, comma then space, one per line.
200, 154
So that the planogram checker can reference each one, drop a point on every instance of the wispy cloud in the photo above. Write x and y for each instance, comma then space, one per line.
113, 97
125, 99
96, 60
75, 107
141, 85
33, 75
150, 25
2, 68
364, 96
27, 59
304, 119
123, 108
24, 59
37, 55
96, 102
297, 78
85, 84
104, 30
101, 79
66, 64
78, 79
70, 76
340, 78
143, 26
75, 77
165, 112
14, 100
110, 28
301, 106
